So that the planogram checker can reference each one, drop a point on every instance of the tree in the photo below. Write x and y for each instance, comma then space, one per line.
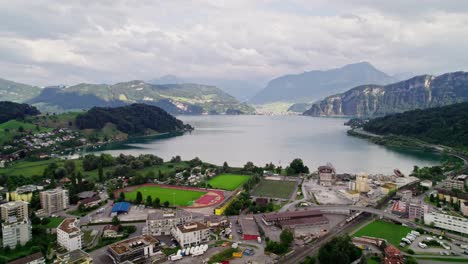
339, 250
149, 200
81, 207
21, 129
139, 197
70, 166
121, 196
297, 166
166, 204
249, 166
157, 202
286, 237
115, 221
100, 172
225, 167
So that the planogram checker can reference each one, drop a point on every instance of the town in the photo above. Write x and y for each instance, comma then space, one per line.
126, 209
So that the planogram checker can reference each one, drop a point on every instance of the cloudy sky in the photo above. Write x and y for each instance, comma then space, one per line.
48, 42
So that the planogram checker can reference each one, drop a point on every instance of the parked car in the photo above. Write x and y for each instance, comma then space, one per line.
422, 245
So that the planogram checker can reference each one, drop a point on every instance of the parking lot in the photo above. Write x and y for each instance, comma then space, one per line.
454, 249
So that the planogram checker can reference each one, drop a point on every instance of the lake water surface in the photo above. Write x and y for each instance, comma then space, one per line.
279, 139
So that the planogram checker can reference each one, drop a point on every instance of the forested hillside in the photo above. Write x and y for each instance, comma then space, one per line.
446, 125
132, 119
10, 111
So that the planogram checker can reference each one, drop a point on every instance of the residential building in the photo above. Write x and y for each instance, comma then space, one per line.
16, 232
362, 184
69, 235
426, 183
249, 228
18, 209
457, 182
417, 209
405, 195
447, 222
296, 219
327, 175
76, 256
54, 200
464, 208
190, 234
136, 249
449, 195
35, 258
161, 222
23, 193
110, 231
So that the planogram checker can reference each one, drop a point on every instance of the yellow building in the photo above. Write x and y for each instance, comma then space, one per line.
388, 187
14, 196
362, 184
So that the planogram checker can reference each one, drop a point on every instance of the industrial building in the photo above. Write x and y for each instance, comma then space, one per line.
327, 175
249, 228
76, 256
295, 219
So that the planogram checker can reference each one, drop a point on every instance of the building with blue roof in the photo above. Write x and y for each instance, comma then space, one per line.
121, 207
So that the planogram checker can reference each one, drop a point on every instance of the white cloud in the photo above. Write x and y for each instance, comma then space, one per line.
48, 42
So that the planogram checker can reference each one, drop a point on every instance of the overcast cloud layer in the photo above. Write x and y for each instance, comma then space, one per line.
65, 42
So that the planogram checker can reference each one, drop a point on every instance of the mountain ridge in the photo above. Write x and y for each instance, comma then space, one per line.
424, 91
313, 85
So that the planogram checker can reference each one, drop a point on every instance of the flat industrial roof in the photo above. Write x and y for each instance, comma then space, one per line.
124, 246
122, 207
248, 226
295, 214
319, 220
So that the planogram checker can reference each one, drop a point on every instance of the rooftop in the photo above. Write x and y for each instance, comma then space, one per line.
159, 215
248, 225
127, 245
121, 207
11, 205
90, 200
86, 194
319, 220
295, 214
110, 227
192, 227
27, 259
71, 256
68, 225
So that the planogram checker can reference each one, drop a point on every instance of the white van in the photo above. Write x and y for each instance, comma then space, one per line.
407, 241
422, 245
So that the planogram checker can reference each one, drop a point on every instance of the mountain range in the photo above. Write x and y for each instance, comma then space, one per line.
174, 98
420, 92
314, 85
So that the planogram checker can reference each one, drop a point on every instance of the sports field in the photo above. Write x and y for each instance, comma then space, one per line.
386, 230
228, 181
179, 196
275, 189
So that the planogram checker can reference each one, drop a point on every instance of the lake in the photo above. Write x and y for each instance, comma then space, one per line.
279, 139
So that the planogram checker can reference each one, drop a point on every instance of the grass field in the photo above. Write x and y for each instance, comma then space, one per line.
388, 231
228, 181
9, 129
275, 189
181, 197
54, 222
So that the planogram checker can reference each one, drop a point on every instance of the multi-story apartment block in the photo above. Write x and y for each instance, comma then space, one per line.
16, 232
54, 200
190, 234
18, 209
161, 223
447, 222
69, 235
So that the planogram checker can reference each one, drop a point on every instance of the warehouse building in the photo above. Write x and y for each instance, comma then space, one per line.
249, 228
297, 219
136, 249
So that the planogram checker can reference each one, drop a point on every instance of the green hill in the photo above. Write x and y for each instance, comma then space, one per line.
17, 92
446, 125
174, 98
10, 111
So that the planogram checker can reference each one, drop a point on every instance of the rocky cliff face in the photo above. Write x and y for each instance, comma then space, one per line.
376, 100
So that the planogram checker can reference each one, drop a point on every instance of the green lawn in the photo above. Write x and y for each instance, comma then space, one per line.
54, 222
275, 189
182, 197
28, 168
393, 233
228, 181
9, 129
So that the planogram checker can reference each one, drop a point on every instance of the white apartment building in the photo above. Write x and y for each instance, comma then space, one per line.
190, 234
457, 182
161, 222
69, 235
18, 209
54, 200
447, 222
16, 232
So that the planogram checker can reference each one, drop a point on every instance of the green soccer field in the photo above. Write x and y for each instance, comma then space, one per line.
228, 181
180, 197
275, 189
393, 233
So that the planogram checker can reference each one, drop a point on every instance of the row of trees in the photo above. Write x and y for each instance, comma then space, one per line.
149, 202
